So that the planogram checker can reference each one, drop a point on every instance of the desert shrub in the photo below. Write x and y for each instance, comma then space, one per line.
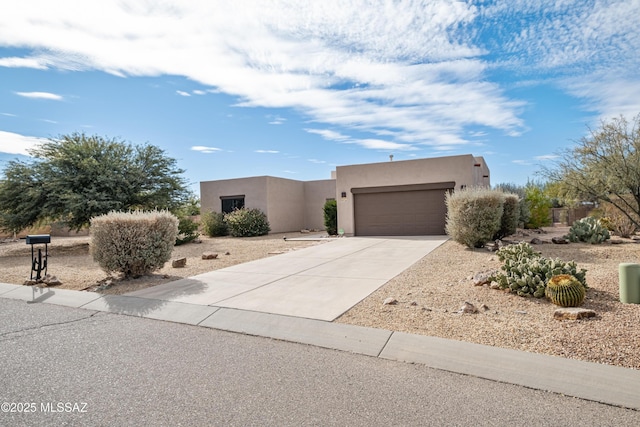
473, 215
187, 231
330, 210
510, 216
133, 243
247, 223
524, 213
615, 220
526, 272
588, 230
539, 206
214, 225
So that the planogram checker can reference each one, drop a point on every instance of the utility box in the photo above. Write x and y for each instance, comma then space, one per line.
629, 277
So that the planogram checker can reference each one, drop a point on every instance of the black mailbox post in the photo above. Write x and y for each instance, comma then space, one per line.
39, 263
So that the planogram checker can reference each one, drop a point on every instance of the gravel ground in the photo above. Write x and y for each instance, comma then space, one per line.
71, 262
430, 293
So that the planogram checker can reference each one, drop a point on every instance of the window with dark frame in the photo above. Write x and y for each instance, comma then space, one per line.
231, 203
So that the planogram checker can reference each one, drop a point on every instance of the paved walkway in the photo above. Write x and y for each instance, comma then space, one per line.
319, 282
201, 301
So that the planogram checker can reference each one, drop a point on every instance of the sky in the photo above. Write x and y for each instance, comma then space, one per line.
295, 88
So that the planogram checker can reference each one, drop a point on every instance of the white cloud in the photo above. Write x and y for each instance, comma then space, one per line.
199, 92
205, 150
329, 134
266, 151
183, 93
40, 95
316, 161
521, 162
276, 120
14, 62
547, 157
8, 114
406, 72
13, 143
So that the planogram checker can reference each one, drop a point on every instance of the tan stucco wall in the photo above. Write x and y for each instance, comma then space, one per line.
254, 190
285, 204
459, 169
288, 204
316, 194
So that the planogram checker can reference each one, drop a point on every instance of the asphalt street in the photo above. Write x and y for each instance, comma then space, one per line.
66, 366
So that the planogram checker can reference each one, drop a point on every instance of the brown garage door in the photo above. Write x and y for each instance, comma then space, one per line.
412, 212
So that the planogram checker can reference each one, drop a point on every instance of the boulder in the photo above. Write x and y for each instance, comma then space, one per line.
390, 301
573, 313
179, 263
559, 240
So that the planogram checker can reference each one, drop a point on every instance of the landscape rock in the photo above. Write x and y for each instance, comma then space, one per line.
483, 277
494, 285
390, 301
559, 240
616, 241
50, 280
30, 282
536, 241
468, 308
227, 253
495, 246
209, 255
179, 263
573, 313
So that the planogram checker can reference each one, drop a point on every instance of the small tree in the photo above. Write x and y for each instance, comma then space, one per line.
330, 210
603, 166
76, 177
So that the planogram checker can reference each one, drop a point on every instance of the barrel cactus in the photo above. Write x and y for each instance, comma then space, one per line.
565, 290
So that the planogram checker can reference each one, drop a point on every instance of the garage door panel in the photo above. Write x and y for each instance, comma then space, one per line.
401, 213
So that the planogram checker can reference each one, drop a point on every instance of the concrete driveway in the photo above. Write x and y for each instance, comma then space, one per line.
320, 282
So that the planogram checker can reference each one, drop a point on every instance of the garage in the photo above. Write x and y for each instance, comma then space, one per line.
408, 210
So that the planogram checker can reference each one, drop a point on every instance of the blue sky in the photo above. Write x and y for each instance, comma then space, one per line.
295, 88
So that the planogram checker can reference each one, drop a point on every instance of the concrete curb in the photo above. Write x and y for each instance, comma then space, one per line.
591, 381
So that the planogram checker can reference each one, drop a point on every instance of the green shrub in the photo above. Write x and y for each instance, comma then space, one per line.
526, 273
247, 223
187, 231
214, 225
330, 210
510, 216
539, 207
133, 243
588, 230
474, 215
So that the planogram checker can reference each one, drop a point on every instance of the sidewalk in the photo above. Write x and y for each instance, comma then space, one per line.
602, 383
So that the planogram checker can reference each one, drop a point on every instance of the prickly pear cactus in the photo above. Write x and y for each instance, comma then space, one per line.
526, 273
588, 230
565, 290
